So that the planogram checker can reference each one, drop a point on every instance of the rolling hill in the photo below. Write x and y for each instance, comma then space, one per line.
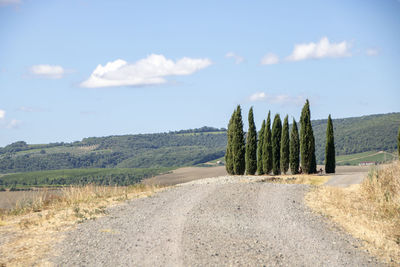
186, 147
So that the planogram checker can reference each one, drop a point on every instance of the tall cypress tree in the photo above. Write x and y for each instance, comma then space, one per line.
267, 149
276, 144
228, 154
260, 169
238, 144
251, 146
294, 149
330, 162
285, 146
307, 142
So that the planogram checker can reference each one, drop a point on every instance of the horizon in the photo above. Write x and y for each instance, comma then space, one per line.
75, 69
177, 130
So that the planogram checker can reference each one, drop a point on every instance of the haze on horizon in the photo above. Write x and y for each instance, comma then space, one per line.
79, 68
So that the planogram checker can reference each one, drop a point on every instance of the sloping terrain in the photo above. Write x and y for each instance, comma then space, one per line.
186, 147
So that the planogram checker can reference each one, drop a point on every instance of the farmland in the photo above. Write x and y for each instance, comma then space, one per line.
370, 156
63, 177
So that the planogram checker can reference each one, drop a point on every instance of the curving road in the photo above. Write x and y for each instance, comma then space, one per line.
213, 222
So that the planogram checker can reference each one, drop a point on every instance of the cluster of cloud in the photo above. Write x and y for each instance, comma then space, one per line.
276, 99
319, 50
12, 124
322, 49
148, 71
238, 59
48, 71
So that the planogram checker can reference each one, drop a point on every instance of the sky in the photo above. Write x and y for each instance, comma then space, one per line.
74, 69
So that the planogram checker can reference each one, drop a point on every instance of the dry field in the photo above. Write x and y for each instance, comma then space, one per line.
369, 211
15, 199
186, 174
28, 233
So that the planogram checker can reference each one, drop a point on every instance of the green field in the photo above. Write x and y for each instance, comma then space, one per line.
374, 156
79, 176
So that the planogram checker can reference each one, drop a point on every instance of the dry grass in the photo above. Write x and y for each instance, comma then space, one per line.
370, 211
310, 179
29, 232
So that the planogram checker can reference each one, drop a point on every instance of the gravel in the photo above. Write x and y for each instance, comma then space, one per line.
215, 221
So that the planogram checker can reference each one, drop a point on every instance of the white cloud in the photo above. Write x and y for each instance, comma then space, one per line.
148, 71
2, 114
48, 71
13, 124
276, 99
238, 59
372, 51
9, 2
322, 49
270, 59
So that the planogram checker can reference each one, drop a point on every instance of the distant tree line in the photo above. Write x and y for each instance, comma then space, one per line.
275, 150
128, 151
109, 176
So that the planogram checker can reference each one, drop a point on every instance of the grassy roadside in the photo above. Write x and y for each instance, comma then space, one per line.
370, 211
29, 232
310, 179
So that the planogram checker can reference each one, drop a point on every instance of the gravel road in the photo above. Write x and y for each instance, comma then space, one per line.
218, 221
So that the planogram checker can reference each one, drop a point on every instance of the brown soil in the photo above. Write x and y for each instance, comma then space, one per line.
186, 174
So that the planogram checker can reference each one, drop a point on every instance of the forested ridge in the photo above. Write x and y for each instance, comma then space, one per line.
173, 149
187, 147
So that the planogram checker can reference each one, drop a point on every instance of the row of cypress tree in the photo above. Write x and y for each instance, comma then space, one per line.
274, 150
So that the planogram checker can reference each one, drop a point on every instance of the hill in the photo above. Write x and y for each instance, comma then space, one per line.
173, 149
358, 134
186, 147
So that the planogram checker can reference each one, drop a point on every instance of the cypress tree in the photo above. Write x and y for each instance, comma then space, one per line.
251, 146
267, 149
285, 146
294, 149
260, 146
228, 154
307, 142
330, 162
238, 144
276, 144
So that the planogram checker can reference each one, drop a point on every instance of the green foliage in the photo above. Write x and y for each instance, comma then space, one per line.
229, 145
358, 134
251, 146
181, 148
80, 177
294, 149
307, 142
276, 144
260, 169
267, 149
285, 146
238, 143
330, 163
372, 156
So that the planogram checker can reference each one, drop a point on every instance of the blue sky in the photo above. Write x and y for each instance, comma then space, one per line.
73, 69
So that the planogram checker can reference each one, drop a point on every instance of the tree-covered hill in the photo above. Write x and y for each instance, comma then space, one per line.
358, 134
173, 149
186, 147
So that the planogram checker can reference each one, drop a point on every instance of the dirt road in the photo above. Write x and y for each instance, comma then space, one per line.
348, 175
224, 221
